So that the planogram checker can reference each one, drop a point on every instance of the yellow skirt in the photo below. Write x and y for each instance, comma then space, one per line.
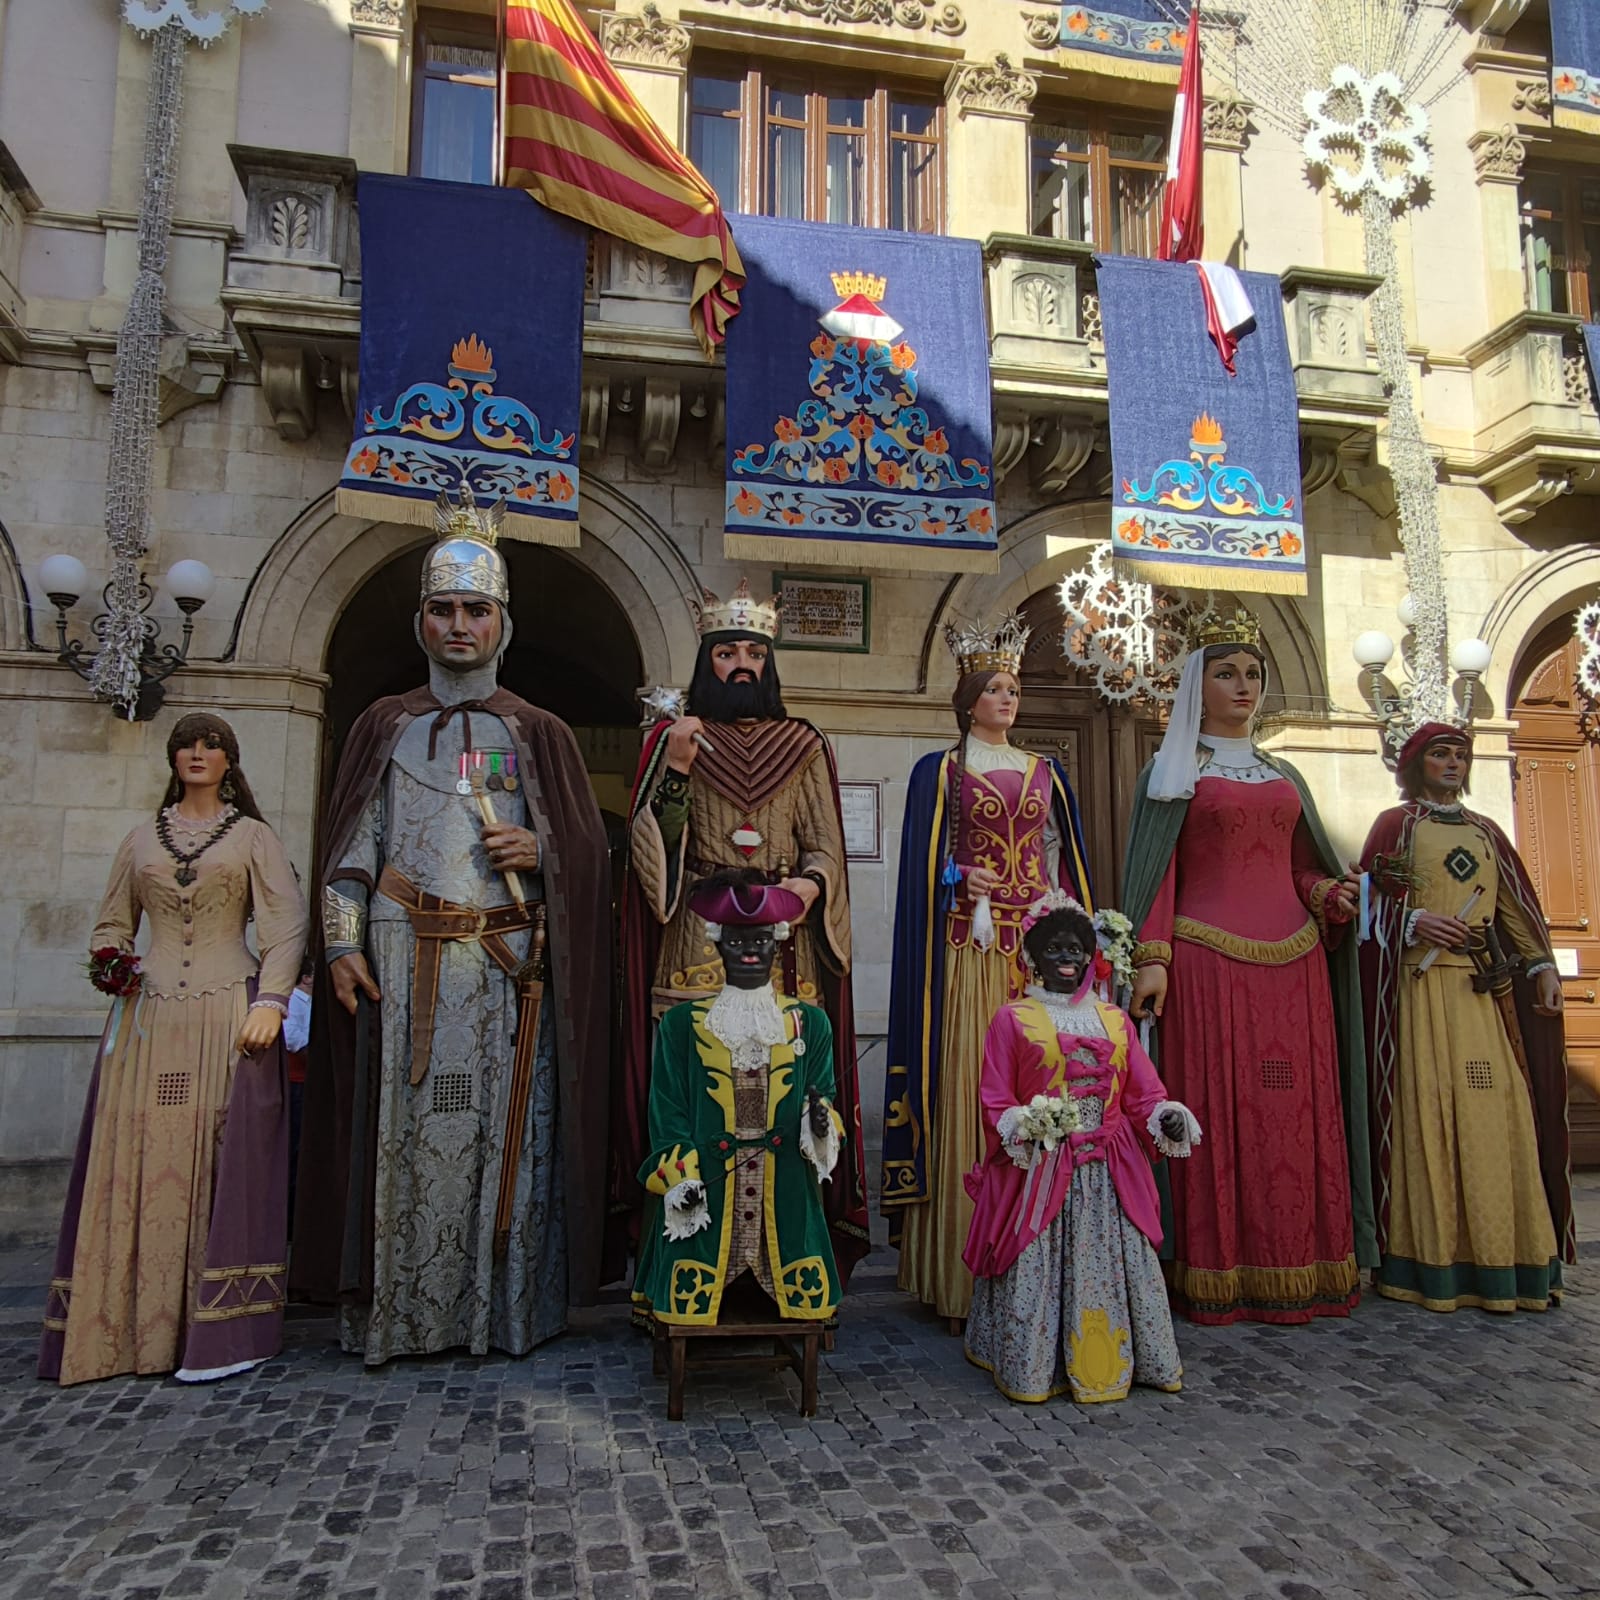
977, 983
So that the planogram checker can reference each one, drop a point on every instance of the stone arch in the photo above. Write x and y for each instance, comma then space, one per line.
1560, 581
16, 621
1041, 548
323, 558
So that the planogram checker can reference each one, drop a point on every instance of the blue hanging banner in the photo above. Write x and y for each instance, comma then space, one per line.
471, 339
1150, 32
1575, 64
858, 421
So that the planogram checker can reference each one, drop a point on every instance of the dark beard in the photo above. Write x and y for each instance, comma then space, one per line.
721, 701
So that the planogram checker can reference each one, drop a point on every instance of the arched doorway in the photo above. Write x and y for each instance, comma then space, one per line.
1556, 783
573, 652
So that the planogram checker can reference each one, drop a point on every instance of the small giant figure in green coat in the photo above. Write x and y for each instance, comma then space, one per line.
743, 1133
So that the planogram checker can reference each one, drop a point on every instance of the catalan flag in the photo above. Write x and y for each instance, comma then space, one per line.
579, 142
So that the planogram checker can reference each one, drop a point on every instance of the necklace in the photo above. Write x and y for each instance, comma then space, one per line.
186, 874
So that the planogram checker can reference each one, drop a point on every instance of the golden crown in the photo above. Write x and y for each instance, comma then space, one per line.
463, 518
1213, 628
999, 649
740, 613
870, 284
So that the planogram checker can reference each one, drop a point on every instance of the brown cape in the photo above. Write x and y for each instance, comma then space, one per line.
333, 1245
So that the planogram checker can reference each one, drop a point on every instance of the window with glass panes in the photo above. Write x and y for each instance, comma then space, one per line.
1098, 179
830, 149
1561, 240
454, 98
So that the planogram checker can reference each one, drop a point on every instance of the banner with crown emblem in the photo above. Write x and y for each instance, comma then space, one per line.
1575, 64
1205, 468
471, 339
858, 426
1146, 35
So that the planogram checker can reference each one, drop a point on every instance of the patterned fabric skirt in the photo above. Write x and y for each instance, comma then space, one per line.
1084, 1309
1469, 1224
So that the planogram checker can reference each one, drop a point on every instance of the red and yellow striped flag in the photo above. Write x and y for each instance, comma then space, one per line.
577, 140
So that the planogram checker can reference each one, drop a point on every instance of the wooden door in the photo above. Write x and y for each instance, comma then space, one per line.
1556, 779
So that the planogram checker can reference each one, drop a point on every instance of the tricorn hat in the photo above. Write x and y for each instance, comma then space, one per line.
728, 903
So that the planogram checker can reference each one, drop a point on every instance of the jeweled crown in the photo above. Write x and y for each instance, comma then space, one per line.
998, 649
465, 560
870, 284
464, 518
740, 613
1214, 628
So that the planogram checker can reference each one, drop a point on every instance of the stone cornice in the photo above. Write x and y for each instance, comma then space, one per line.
991, 88
644, 39
941, 16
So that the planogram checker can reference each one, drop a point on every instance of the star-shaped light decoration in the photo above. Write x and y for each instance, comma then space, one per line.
204, 23
1366, 137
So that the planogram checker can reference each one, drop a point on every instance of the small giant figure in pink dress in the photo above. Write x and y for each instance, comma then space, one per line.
1242, 907
1067, 1294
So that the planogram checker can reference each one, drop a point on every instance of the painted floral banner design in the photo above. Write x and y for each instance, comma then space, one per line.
1575, 63
471, 329
1142, 30
1205, 467
843, 442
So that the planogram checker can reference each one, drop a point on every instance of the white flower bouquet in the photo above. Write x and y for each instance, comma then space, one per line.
1048, 1120
1114, 936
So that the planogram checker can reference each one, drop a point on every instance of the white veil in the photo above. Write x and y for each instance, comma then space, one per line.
1176, 767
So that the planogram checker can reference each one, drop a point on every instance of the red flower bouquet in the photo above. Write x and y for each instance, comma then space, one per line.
114, 972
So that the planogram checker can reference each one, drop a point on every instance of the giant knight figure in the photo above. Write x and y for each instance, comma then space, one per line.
737, 782
452, 1177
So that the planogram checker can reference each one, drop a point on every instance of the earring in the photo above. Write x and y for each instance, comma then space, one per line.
227, 792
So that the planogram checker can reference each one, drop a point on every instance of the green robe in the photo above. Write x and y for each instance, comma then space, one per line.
692, 1137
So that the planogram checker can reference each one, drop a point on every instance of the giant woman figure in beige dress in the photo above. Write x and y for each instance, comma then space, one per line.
172, 1253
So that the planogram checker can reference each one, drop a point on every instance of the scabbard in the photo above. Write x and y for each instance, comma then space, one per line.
530, 1001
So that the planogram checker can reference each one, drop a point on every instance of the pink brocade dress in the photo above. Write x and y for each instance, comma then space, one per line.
1261, 1211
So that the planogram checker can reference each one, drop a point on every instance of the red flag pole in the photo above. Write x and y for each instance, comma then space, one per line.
1183, 199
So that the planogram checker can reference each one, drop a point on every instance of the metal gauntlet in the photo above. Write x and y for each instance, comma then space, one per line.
344, 921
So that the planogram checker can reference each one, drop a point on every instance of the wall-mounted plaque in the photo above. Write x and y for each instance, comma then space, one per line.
824, 613
862, 805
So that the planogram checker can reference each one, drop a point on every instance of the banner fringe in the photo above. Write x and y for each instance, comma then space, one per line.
1233, 580
414, 513
1112, 66
1575, 121
837, 553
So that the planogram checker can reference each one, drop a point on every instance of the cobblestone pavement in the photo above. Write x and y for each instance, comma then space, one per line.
1398, 1453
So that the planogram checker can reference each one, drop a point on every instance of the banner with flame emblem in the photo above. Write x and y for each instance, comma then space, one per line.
858, 426
1205, 468
1575, 64
1146, 36
471, 338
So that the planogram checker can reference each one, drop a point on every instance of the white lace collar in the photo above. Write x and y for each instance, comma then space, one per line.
749, 1022
1237, 760
1449, 809
982, 757
1080, 1017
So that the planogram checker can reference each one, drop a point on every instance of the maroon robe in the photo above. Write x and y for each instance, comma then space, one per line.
333, 1242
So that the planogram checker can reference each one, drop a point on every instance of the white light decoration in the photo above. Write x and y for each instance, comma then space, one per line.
192, 581
1364, 136
1130, 637
1373, 650
1471, 657
204, 24
1406, 610
63, 578
1587, 632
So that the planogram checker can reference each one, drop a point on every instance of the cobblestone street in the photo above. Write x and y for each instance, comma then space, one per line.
1397, 1453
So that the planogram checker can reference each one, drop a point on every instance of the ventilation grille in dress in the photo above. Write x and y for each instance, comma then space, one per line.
1480, 1075
172, 1088
1277, 1075
452, 1092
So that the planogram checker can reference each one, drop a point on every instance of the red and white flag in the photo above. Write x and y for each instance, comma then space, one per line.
1182, 199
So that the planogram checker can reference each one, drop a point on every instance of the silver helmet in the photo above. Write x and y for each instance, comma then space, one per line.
465, 560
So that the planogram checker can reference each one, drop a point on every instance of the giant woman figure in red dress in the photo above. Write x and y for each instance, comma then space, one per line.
1244, 957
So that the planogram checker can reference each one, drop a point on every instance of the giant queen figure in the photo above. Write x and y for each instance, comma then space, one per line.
737, 782
451, 1189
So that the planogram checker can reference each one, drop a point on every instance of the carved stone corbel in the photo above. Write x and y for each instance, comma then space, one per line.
991, 88
644, 40
1225, 123
290, 393
1319, 462
1013, 431
1043, 28
378, 16
1373, 486
1498, 156
1060, 451
659, 416
1533, 96
594, 417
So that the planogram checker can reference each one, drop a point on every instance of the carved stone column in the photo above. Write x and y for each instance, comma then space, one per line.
1225, 122
988, 105
380, 118
651, 55
1498, 156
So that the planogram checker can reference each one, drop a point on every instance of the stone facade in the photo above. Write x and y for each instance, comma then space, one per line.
264, 285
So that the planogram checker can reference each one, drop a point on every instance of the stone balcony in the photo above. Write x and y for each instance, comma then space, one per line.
1537, 431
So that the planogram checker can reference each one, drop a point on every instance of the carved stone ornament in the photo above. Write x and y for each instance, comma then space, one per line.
646, 40
994, 88
205, 21
1498, 156
390, 15
1043, 28
1226, 123
942, 17
1532, 96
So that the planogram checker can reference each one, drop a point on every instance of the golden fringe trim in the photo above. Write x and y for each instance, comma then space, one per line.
1475, 1302
1258, 952
1152, 951
1206, 1287
1242, 579
843, 553
419, 514
1575, 121
1105, 65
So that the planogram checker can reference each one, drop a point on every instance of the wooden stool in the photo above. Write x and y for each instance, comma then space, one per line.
794, 1347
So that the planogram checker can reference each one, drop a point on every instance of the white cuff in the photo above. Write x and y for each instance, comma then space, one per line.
1021, 1151
1191, 1130
685, 1211
822, 1154
983, 923
1411, 928
1538, 967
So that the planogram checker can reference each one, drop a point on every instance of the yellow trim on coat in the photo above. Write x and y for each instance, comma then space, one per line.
680, 1166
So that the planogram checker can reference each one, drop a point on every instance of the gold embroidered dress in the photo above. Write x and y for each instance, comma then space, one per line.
173, 1247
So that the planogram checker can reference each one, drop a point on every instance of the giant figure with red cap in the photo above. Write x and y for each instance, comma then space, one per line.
1463, 1009
743, 1131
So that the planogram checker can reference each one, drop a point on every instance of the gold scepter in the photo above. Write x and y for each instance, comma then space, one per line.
492, 818
666, 704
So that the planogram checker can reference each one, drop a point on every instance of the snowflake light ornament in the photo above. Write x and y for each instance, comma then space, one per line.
1588, 634
1365, 136
1131, 637
204, 25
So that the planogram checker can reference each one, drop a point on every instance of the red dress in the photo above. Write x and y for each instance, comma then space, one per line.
1261, 1211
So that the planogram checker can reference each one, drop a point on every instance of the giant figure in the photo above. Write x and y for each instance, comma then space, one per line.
452, 1173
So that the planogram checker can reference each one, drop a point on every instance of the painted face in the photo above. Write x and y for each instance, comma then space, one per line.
996, 707
1445, 764
461, 631
747, 955
201, 765
1230, 694
739, 660
1064, 962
